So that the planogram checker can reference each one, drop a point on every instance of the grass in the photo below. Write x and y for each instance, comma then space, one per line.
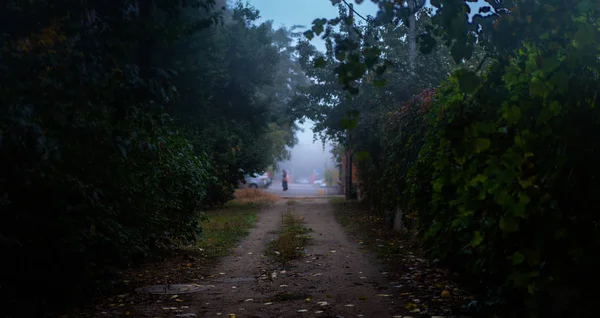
225, 227
291, 239
253, 197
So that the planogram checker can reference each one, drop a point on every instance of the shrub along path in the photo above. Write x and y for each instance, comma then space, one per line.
297, 261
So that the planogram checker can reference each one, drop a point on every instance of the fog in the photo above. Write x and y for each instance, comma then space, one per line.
308, 156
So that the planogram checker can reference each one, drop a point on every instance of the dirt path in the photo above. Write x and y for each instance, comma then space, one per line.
334, 279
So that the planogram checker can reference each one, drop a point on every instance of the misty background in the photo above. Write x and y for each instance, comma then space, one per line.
308, 154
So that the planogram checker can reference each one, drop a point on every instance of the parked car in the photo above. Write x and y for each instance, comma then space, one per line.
318, 182
266, 178
256, 181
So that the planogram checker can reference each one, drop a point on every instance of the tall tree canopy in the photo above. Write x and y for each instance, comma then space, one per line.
119, 123
492, 165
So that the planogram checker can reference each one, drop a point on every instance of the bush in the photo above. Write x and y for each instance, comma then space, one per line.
401, 140
75, 202
504, 183
94, 176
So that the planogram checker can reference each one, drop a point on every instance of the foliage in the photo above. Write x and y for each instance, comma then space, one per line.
512, 186
500, 171
387, 186
119, 124
235, 106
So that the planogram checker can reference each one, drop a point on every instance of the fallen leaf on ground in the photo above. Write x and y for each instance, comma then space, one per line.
349, 305
384, 295
174, 296
249, 299
362, 297
411, 306
302, 310
445, 293
323, 303
267, 304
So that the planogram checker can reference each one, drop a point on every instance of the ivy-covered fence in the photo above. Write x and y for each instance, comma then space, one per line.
501, 171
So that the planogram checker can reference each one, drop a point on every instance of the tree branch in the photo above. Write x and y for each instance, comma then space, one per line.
352, 8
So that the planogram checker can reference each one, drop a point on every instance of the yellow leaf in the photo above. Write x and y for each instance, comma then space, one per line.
445, 293
128, 313
362, 297
411, 306
179, 300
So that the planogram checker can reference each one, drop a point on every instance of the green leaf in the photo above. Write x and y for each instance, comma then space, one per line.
468, 82
480, 178
512, 114
320, 62
477, 239
317, 29
482, 144
437, 185
508, 224
517, 258
309, 34
537, 87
